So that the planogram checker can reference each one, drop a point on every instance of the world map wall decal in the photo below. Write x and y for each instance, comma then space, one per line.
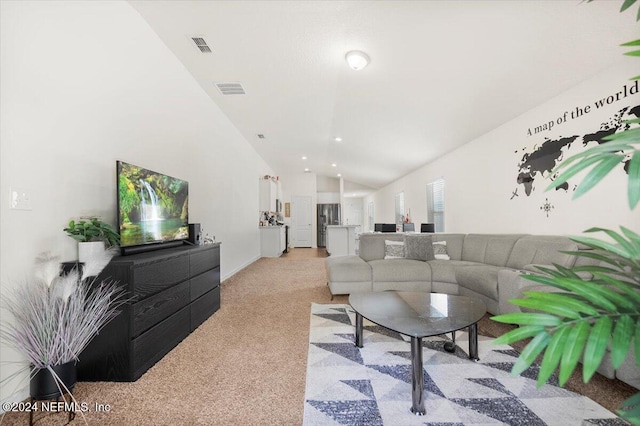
536, 165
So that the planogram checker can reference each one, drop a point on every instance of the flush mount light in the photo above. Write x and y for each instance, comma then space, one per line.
357, 59
306, 170
338, 139
304, 157
334, 165
339, 174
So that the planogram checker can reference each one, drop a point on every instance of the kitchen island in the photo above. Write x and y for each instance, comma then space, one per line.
341, 240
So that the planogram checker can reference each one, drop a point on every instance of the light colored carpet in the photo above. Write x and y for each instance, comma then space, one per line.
246, 364
372, 385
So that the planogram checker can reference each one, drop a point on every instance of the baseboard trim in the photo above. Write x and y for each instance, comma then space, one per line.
238, 269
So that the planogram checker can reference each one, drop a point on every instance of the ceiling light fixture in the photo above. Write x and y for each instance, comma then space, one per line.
357, 59
334, 165
339, 174
338, 139
304, 157
306, 169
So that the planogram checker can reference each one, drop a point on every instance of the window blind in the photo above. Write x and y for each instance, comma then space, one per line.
435, 204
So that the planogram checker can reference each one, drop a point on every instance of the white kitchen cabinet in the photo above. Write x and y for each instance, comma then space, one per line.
268, 195
341, 240
272, 241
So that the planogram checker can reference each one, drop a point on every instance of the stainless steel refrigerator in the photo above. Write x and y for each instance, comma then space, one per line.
328, 214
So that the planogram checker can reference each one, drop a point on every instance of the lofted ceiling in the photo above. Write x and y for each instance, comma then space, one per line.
442, 73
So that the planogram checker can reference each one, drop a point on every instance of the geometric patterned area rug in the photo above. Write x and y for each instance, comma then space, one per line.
347, 385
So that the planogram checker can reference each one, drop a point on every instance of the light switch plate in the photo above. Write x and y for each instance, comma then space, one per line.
20, 199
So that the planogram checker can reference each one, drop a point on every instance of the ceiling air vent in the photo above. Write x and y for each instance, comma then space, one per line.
230, 88
201, 44
260, 136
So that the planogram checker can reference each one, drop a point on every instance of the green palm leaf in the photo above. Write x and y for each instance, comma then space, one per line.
602, 245
526, 318
631, 250
518, 334
573, 348
631, 407
627, 4
634, 180
596, 347
631, 235
553, 307
636, 341
622, 334
552, 355
568, 300
607, 163
574, 170
531, 352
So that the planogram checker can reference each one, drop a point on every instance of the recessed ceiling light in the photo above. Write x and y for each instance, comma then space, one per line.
338, 139
304, 157
307, 170
339, 174
334, 165
357, 59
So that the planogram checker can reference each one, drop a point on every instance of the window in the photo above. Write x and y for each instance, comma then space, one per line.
435, 203
370, 215
400, 209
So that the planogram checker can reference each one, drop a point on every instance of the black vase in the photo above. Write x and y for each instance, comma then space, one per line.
43, 385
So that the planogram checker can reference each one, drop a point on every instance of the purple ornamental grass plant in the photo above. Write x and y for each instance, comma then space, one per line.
52, 318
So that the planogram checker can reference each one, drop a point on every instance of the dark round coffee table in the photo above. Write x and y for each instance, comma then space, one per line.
419, 315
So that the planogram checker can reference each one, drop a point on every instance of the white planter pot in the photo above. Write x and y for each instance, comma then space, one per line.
89, 249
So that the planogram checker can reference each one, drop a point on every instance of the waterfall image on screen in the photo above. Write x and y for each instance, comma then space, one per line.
152, 207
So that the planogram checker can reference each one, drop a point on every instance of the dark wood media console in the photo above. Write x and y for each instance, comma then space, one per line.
173, 290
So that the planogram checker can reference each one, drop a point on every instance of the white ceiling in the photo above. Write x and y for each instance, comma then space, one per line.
441, 74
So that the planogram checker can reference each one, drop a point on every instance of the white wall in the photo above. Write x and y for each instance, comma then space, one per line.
353, 211
481, 175
84, 84
327, 184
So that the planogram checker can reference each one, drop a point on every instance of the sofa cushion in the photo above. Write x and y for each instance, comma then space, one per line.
393, 249
492, 249
418, 247
440, 250
372, 245
454, 244
347, 269
396, 270
445, 270
482, 279
542, 250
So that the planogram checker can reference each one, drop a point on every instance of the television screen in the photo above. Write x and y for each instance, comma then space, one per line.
152, 207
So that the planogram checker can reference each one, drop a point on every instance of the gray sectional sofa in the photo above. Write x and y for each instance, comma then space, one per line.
479, 265
488, 267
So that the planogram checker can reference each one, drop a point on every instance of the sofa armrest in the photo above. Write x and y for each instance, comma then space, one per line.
510, 286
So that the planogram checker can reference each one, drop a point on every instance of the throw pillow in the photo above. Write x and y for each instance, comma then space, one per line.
393, 249
418, 247
440, 250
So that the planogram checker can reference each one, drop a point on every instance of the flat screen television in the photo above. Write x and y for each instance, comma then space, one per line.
153, 208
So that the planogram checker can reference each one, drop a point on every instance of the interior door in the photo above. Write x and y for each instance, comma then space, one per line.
301, 221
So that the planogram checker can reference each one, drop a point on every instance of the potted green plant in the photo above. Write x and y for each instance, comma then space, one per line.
92, 235
53, 317
585, 318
